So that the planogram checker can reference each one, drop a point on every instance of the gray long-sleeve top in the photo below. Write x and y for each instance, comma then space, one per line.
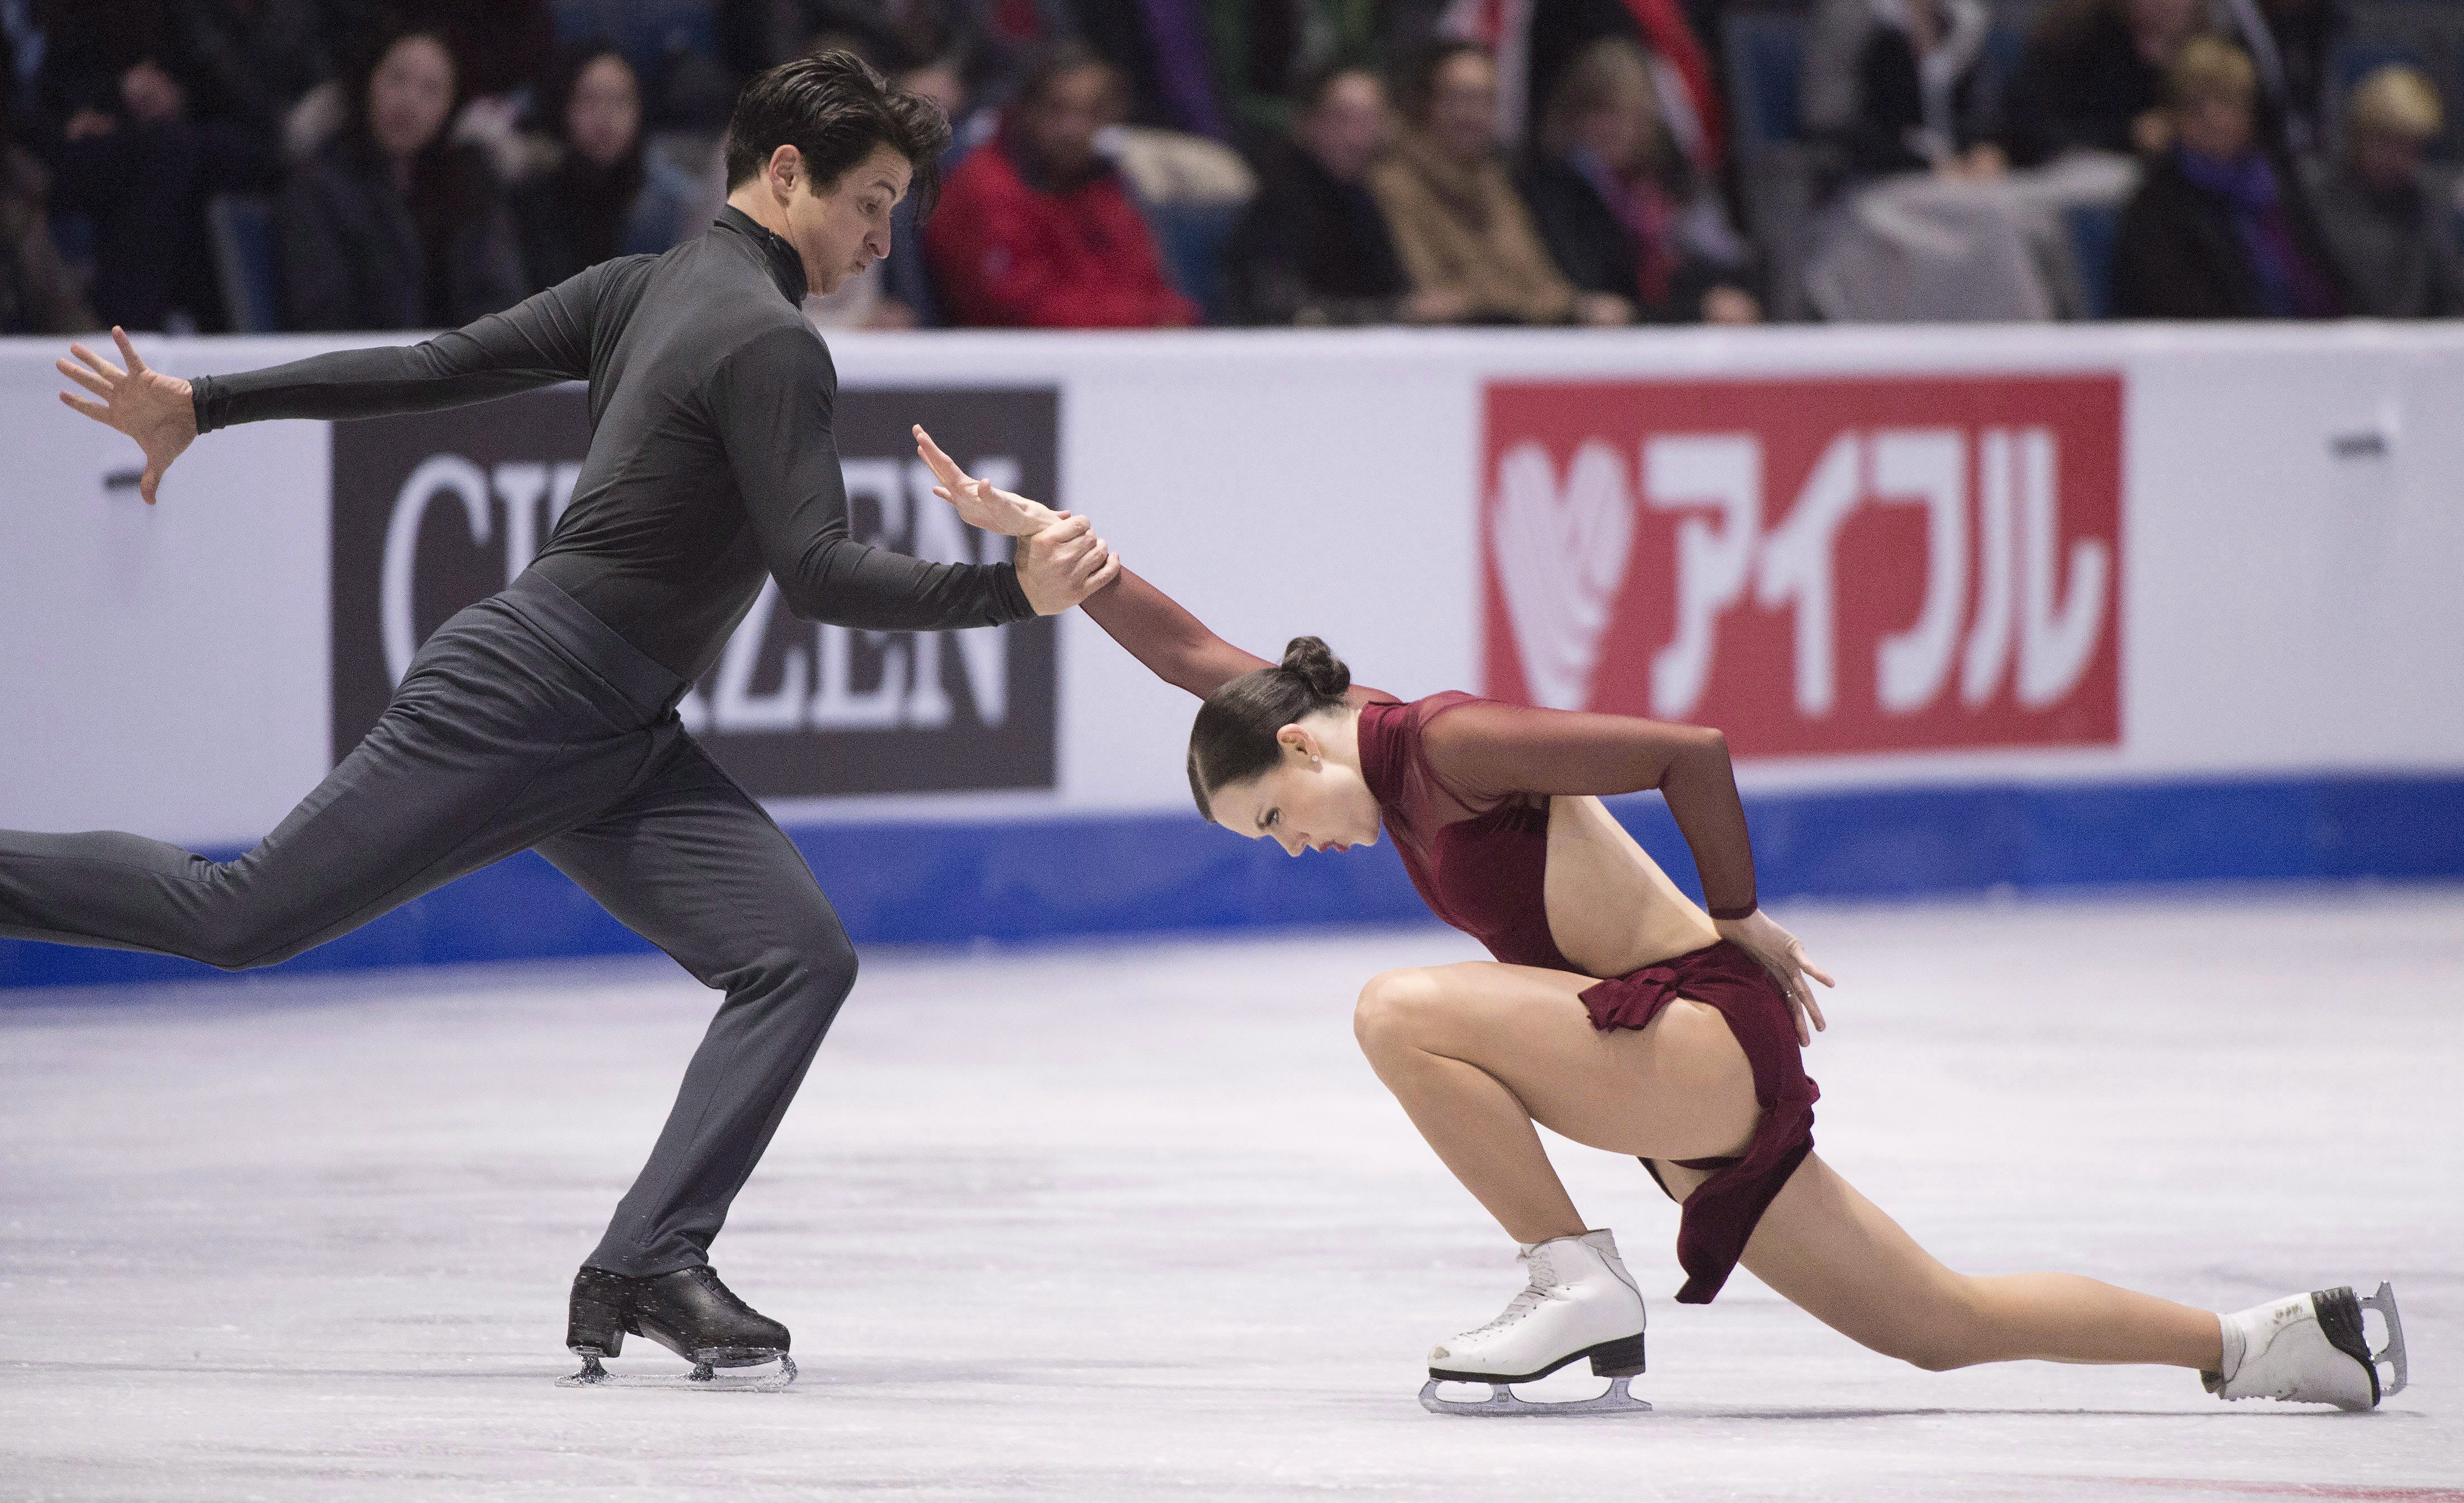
710, 456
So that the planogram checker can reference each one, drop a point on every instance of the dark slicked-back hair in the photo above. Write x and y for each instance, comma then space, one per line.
834, 109
1234, 736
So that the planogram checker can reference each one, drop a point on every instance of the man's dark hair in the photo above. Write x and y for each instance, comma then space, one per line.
834, 108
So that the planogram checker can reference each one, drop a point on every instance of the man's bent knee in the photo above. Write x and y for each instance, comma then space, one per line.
821, 965
240, 944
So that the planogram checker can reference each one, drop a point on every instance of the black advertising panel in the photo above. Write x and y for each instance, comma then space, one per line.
436, 510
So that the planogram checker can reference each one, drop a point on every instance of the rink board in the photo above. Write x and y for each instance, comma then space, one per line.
2012, 607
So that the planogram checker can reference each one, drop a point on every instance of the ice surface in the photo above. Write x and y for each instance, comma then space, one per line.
1114, 1224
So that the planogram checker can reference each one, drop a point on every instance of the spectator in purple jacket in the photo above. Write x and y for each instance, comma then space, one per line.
2219, 229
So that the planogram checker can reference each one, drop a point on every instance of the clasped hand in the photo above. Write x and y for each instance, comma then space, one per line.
1061, 561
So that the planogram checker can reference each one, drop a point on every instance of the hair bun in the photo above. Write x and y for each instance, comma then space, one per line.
1313, 663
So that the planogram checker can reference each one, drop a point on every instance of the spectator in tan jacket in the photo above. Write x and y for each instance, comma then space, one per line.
1459, 224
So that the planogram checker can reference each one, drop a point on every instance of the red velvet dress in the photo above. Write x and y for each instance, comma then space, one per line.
1477, 848
1462, 787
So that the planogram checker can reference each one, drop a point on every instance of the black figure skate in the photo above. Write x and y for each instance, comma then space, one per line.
691, 1313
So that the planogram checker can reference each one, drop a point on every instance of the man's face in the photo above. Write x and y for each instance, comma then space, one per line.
1059, 128
1349, 130
845, 229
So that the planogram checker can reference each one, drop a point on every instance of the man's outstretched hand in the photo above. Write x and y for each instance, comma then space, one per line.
149, 406
1061, 561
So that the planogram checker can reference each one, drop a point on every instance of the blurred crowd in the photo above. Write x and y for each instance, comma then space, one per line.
350, 164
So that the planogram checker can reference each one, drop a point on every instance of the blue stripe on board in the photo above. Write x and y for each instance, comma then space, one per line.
1035, 879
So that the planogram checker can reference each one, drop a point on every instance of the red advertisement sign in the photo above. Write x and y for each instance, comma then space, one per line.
1813, 565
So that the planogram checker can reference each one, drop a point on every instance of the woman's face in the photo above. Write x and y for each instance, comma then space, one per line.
410, 95
605, 114
2217, 125
1621, 134
1463, 106
1300, 804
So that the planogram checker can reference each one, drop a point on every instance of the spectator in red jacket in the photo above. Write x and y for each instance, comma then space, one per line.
1036, 230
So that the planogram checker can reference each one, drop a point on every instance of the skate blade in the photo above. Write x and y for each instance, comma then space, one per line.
2391, 1354
1501, 1404
703, 1378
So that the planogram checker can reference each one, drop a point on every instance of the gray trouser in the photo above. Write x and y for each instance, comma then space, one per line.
524, 721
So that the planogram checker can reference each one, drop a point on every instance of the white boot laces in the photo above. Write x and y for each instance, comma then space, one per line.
1540, 1289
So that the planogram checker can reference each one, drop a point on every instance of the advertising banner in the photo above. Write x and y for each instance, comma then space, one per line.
434, 512
2023, 608
1813, 565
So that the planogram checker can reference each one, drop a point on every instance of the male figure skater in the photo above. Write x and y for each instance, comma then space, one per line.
545, 717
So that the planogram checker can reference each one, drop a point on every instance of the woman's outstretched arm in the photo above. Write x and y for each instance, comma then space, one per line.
1154, 629
1173, 645
1176, 646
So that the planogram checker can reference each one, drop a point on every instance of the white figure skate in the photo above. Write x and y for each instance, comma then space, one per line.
2311, 1349
1580, 1302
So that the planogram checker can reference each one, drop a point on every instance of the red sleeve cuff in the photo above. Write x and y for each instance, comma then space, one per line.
1747, 912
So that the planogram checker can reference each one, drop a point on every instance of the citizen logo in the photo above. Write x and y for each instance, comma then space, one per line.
436, 510
827, 678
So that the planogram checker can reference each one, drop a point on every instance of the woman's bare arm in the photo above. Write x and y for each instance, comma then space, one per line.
1485, 751
1153, 628
1173, 645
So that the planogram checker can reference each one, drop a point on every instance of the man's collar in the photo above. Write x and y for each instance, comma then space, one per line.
786, 267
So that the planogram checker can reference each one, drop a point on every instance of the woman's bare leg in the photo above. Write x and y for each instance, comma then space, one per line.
1478, 1053
1832, 1253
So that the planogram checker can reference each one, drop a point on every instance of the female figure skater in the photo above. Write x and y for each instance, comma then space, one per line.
1622, 1016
